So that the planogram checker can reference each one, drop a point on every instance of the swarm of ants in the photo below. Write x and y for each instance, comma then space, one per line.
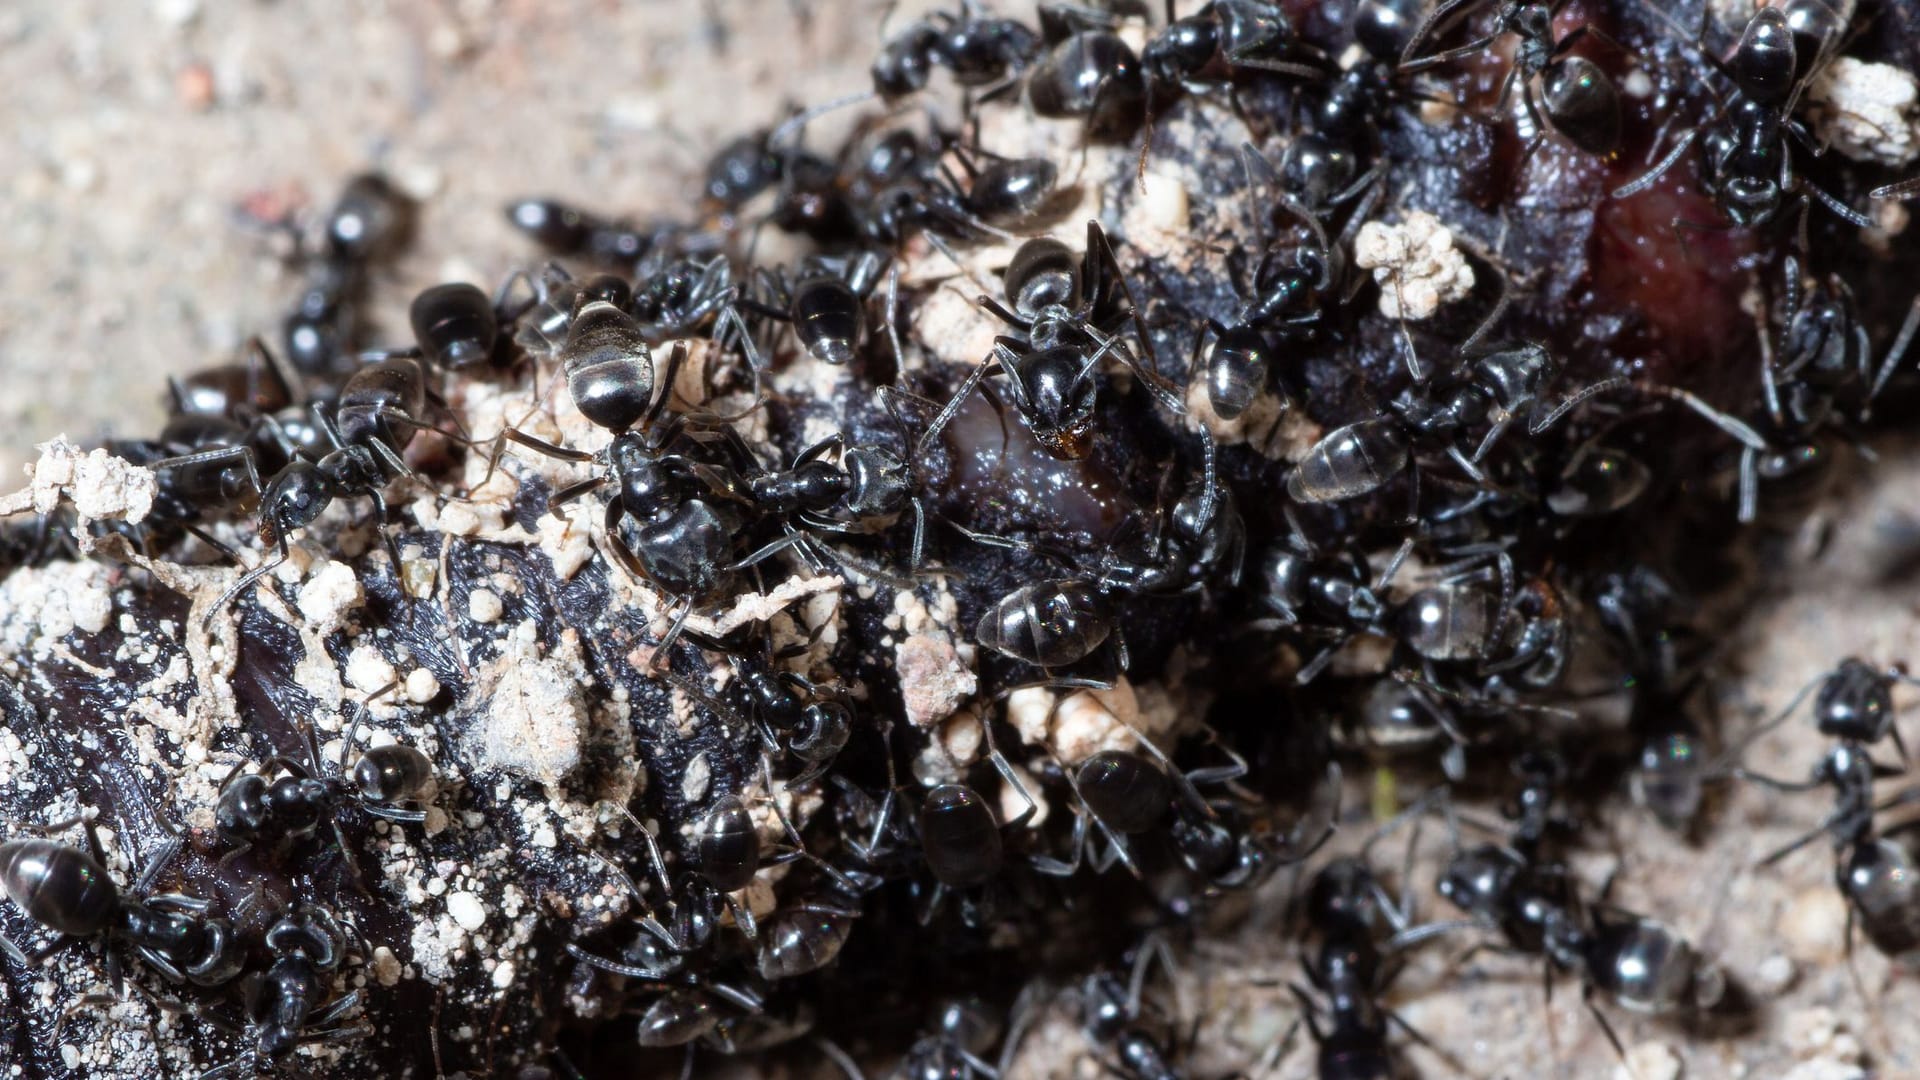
910, 652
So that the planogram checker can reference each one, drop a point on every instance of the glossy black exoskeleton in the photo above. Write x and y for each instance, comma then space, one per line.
956, 1044
1203, 48
1093, 74
565, 230
369, 222
1854, 707
1575, 97
1069, 320
1052, 624
981, 53
285, 1006
1347, 909
1112, 1018
379, 403
824, 300
1748, 147
1324, 593
286, 800
1201, 539
66, 890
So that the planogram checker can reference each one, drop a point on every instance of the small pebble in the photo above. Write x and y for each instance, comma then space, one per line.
1814, 924
422, 686
484, 606
1775, 975
466, 910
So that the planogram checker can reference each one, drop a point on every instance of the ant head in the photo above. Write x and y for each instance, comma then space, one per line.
1855, 702
1055, 390
293, 500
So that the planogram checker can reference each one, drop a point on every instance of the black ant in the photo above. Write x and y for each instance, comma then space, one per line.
1349, 909
794, 714
1748, 161
1068, 324
1496, 388
1091, 73
286, 800
566, 230
284, 1005
365, 432
1854, 707
1519, 890
981, 53
1111, 1011
962, 1033
67, 890
370, 220
824, 301
1225, 35
1575, 98
1322, 592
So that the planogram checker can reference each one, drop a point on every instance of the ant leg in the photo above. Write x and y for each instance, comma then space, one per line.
952, 408
1734, 427
841, 1060
226, 454
1562, 409
615, 967
1899, 190
888, 315
1319, 663
1647, 180
1606, 1027
1894, 354
1739, 750
1005, 768
1847, 213
247, 581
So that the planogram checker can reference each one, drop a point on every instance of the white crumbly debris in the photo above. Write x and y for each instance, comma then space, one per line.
1813, 923
101, 486
1831, 1052
1078, 725
422, 686
1651, 1060
1826, 1069
467, 911
934, 680
368, 671
535, 717
1157, 220
36, 610
386, 966
568, 545
693, 782
326, 597
957, 743
1867, 111
484, 606
1774, 975
1417, 265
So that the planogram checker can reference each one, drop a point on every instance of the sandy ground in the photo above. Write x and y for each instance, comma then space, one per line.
135, 130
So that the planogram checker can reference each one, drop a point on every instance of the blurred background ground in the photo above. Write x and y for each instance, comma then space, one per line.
134, 131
